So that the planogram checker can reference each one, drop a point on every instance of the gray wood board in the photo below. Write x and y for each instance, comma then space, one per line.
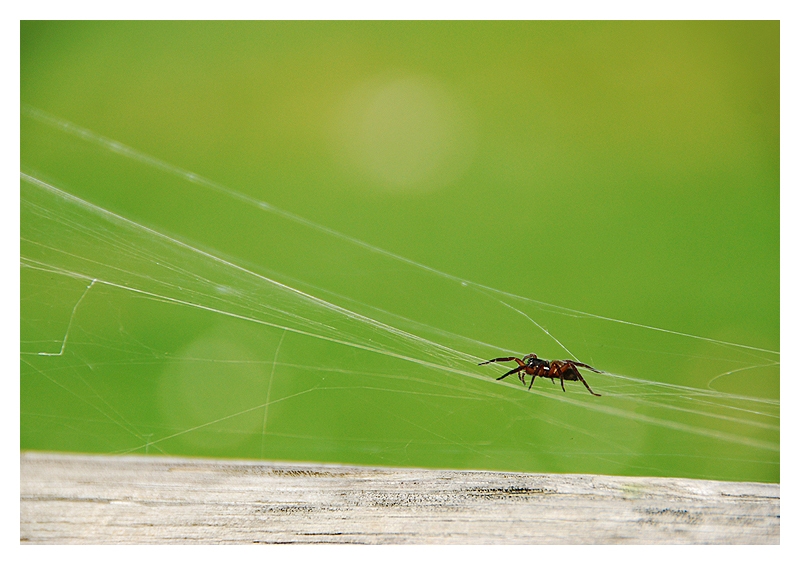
107, 499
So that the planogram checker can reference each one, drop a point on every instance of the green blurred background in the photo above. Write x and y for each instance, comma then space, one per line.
448, 180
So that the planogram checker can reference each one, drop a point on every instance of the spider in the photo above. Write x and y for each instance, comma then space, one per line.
565, 370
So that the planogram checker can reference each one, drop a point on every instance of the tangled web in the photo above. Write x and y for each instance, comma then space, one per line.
136, 339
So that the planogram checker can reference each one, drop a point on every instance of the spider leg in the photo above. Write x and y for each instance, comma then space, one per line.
503, 360
557, 371
584, 365
512, 371
573, 371
585, 384
554, 372
533, 377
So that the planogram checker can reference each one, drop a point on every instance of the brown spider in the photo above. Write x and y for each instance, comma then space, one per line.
565, 370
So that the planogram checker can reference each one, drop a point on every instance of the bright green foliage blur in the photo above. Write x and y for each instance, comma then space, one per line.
430, 189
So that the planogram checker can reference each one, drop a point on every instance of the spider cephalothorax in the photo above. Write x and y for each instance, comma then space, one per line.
566, 370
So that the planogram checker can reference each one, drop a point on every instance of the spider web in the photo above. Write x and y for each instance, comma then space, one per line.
139, 336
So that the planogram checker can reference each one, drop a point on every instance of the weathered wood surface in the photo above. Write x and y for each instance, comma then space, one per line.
98, 499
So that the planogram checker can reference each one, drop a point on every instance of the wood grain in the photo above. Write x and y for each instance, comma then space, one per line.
102, 499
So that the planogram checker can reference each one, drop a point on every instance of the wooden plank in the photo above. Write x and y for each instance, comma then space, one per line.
102, 499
